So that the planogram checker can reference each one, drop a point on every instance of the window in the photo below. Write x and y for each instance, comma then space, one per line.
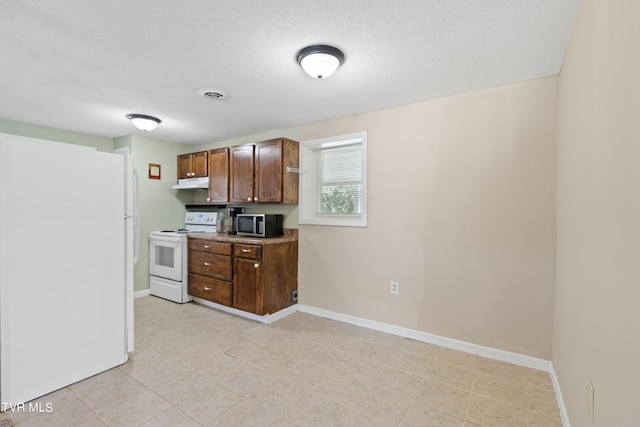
333, 188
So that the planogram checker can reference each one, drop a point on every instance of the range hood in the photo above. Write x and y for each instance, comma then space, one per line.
191, 183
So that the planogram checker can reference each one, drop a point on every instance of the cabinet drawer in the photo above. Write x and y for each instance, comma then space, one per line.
210, 289
210, 246
247, 251
210, 265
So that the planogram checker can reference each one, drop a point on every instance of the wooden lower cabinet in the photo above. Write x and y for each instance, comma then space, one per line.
210, 265
257, 278
265, 276
247, 281
210, 271
210, 289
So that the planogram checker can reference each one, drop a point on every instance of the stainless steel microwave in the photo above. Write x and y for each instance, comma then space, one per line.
260, 225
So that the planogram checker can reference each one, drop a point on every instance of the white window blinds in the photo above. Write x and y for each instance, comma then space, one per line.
340, 179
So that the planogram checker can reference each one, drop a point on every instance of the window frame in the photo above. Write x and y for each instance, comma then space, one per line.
310, 187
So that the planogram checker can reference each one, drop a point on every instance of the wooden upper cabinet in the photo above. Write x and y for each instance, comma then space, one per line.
219, 176
268, 173
193, 165
277, 171
201, 164
184, 166
265, 172
241, 169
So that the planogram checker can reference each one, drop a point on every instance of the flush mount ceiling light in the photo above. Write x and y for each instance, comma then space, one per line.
320, 61
143, 122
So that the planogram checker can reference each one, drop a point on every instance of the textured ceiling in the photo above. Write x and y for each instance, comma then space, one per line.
82, 65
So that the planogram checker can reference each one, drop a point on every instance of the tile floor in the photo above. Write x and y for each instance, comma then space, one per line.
196, 366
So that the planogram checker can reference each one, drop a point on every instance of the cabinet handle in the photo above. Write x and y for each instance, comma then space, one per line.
246, 251
255, 199
208, 199
207, 246
207, 263
256, 265
206, 288
249, 199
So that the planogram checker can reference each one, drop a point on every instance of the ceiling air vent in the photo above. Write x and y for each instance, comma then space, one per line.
215, 94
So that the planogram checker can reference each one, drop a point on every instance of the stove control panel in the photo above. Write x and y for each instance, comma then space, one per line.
201, 218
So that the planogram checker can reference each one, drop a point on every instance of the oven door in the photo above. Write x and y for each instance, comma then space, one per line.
165, 256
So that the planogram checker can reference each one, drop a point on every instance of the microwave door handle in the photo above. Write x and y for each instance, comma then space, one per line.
255, 223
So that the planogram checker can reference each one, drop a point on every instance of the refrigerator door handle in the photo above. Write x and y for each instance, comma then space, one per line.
136, 216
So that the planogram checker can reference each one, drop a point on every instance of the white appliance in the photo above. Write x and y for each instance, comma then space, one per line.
168, 264
67, 226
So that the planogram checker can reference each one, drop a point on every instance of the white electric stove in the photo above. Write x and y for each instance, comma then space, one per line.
168, 262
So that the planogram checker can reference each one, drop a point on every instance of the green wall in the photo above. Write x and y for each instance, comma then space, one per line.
160, 207
34, 131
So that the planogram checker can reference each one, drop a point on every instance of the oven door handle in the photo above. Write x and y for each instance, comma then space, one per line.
165, 239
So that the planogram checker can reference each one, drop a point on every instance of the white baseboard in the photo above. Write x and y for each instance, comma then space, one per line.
489, 352
267, 318
140, 294
467, 347
564, 415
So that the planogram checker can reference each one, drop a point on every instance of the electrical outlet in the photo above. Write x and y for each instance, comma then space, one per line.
590, 398
394, 288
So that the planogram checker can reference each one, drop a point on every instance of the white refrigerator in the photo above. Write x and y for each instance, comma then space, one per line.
67, 248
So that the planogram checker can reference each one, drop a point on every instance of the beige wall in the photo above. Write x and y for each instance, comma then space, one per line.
597, 320
461, 213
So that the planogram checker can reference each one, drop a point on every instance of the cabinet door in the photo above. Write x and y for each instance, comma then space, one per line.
184, 166
247, 285
268, 158
200, 164
219, 175
241, 170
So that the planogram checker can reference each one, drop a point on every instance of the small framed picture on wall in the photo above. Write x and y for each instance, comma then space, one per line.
154, 171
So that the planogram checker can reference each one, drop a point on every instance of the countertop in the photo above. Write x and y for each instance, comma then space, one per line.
290, 235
